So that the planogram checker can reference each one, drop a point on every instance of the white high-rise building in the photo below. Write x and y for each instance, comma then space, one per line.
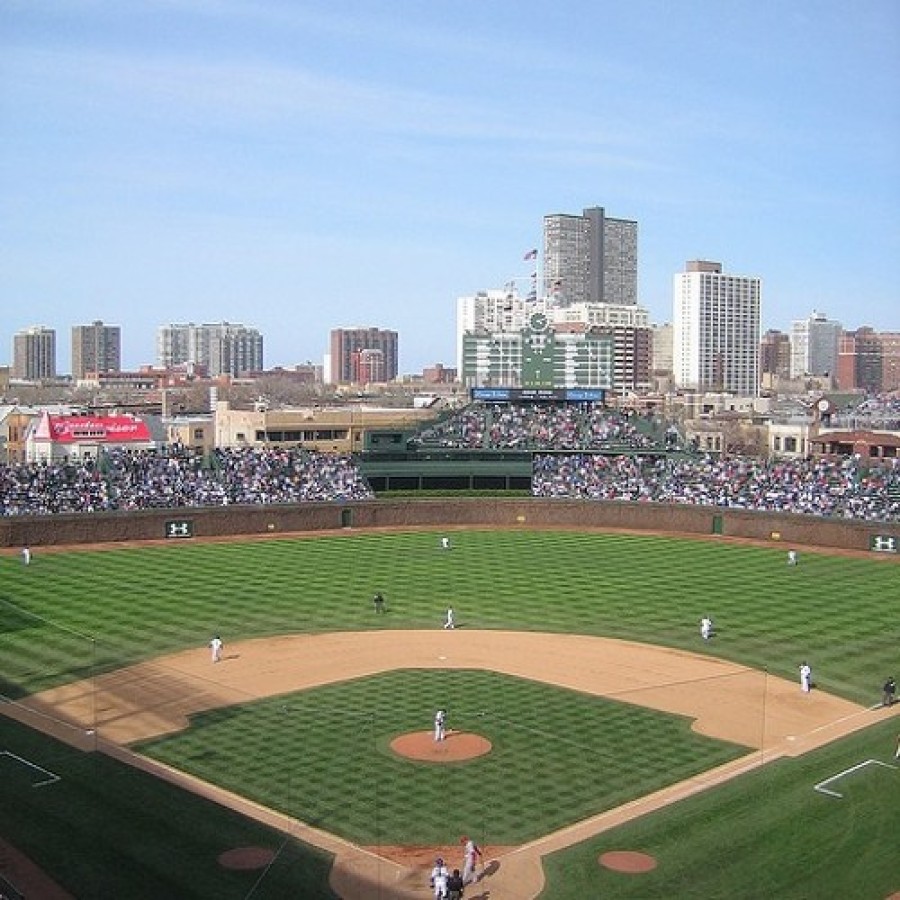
716, 325
814, 346
223, 348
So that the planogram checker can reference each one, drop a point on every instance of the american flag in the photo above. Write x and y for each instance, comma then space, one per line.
531, 254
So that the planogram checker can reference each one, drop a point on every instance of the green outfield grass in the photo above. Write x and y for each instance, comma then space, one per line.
74, 614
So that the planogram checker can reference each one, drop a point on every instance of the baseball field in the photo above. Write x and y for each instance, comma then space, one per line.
597, 747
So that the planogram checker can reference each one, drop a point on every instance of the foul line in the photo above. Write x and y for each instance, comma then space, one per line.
52, 776
820, 787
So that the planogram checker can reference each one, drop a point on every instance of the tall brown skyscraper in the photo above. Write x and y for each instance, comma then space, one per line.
96, 348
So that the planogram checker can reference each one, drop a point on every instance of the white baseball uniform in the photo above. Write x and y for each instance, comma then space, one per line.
471, 855
439, 875
216, 647
805, 678
440, 718
450, 620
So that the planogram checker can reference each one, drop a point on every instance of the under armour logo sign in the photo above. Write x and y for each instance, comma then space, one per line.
882, 543
178, 529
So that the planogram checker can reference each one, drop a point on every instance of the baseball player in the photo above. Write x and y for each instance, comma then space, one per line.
26, 556
792, 557
449, 623
438, 880
706, 627
440, 721
805, 678
445, 543
215, 646
471, 855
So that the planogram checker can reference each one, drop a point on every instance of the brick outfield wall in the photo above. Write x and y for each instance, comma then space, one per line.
145, 525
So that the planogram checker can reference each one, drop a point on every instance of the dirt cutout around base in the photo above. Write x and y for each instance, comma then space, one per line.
457, 746
631, 862
246, 858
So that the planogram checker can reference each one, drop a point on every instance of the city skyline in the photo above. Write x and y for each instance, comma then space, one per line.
303, 166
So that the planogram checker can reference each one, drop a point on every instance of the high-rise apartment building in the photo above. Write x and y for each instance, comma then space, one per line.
96, 348
34, 353
345, 346
775, 356
814, 346
716, 330
591, 258
869, 360
224, 348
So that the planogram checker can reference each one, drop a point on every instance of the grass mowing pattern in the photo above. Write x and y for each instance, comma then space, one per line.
108, 830
558, 756
766, 835
97, 610
134, 604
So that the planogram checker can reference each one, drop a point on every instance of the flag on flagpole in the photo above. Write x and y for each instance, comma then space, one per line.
531, 254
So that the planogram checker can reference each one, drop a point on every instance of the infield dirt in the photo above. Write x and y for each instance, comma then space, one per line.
769, 715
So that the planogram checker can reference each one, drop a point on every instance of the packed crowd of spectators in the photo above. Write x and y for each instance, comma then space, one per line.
127, 480
843, 489
880, 412
597, 454
513, 426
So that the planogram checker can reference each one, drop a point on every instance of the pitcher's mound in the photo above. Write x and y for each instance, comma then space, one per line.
457, 746
630, 861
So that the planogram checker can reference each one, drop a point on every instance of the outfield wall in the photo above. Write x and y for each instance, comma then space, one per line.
187, 523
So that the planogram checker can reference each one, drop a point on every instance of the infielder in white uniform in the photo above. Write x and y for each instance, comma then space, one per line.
471, 855
805, 678
450, 621
215, 645
440, 720
706, 627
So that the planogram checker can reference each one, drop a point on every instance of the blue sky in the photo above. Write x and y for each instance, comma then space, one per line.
299, 166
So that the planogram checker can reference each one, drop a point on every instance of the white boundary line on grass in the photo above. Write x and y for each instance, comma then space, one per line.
820, 787
53, 777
